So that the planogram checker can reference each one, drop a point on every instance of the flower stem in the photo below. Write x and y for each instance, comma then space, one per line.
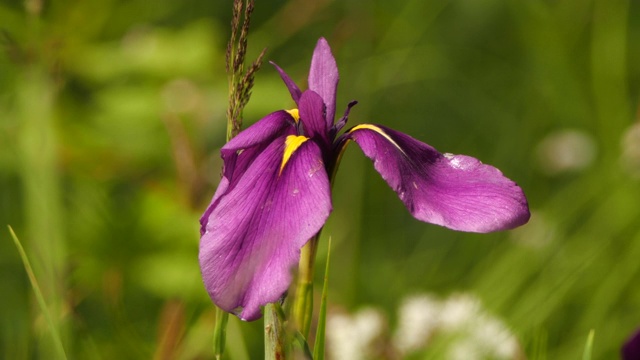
303, 307
274, 332
220, 333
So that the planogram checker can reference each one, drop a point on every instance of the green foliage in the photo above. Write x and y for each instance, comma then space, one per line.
112, 114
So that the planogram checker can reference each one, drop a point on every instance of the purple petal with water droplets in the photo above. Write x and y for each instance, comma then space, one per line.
455, 191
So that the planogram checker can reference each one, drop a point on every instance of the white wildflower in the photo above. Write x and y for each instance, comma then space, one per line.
354, 337
418, 318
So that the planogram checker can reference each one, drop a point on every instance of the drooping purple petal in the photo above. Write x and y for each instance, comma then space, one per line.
312, 111
323, 78
455, 191
254, 232
294, 90
631, 349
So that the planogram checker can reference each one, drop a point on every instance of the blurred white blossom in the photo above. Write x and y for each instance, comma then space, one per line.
418, 318
468, 330
353, 337
566, 151
474, 333
458, 310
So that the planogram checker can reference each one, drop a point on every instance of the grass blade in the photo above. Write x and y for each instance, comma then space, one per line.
588, 347
38, 293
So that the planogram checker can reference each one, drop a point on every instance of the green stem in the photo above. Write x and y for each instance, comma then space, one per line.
220, 333
303, 307
274, 334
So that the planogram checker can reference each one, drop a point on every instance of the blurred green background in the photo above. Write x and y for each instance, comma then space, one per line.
112, 113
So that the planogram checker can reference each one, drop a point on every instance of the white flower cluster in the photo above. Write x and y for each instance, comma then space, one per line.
470, 332
353, 337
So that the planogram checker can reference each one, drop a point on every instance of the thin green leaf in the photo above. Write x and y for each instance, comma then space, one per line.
38, 293
588, 347
301, 343
318, 348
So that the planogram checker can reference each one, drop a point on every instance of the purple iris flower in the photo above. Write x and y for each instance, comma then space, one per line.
275, 193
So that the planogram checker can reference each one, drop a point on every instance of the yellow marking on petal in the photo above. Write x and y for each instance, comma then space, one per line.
292, 144
379, 131
295, 114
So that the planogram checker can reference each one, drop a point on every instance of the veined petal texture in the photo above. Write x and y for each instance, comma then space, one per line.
242, 150
455, 191
254, 231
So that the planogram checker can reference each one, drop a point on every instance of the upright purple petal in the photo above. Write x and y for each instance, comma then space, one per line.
254, 232
312, 111
293, 88
455, 191
323, 78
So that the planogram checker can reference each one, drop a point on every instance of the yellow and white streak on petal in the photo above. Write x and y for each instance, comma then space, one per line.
379, 131
291, 144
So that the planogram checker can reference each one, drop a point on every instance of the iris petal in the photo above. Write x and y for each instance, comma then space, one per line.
254, 231
323, 78
241, 151
312, 112
455, 191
